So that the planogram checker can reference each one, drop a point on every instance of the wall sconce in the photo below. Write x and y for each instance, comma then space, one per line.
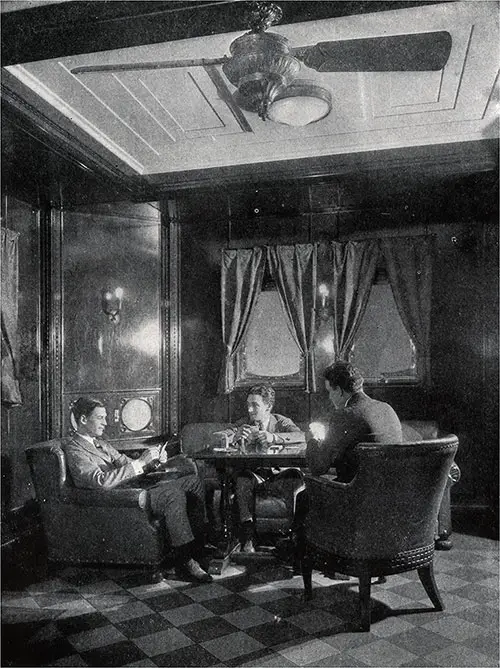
323, 310
111, 303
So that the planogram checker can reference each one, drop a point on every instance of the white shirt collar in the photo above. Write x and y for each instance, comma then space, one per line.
88, 438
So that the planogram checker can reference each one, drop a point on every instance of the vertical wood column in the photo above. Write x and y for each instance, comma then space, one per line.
171, 338
52, 320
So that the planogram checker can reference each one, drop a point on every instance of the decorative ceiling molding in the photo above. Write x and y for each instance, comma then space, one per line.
436, 160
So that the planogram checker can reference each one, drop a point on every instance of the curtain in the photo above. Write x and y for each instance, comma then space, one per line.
409, 267
241, 283
294, 271
11, 394
350, 272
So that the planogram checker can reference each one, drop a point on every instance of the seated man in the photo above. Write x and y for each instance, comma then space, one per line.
261, 429
95, 464
356, 418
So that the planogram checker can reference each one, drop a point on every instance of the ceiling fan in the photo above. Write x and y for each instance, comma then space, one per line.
264, 67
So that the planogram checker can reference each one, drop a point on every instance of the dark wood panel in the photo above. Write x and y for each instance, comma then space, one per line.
103, 253
204, 231
22, 425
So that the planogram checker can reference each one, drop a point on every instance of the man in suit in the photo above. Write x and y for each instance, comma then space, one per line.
356, 418
95, 464
261, 429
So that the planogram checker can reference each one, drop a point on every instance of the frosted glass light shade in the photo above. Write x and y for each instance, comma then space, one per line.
300, 104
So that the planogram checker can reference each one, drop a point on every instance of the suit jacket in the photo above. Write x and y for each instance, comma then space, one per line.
100, 467
278, 424
362, 420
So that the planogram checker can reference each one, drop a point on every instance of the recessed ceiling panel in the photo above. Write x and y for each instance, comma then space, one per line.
174, 119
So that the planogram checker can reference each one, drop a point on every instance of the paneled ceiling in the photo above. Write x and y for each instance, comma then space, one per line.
158, 124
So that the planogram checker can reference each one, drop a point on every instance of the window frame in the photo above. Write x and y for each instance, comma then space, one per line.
381, 277
244, 379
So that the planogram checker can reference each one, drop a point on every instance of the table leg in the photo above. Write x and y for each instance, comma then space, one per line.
228, 542
226, 510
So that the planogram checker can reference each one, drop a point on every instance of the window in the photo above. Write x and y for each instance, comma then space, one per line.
383, 349
269, 352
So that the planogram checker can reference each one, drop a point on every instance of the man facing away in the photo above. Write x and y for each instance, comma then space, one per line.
356, 418
94, 463
261, 429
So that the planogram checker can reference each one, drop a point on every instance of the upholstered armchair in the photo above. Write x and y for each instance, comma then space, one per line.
416, 430
383, 521
92, 526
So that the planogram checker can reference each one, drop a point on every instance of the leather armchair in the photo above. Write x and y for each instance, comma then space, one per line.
383, 521
415, 430
92, 526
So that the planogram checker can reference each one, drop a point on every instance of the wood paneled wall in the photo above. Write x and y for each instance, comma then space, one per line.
462, 213
104, 248
23, 425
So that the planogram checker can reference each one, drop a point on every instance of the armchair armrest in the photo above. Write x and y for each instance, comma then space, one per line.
129, 497
328, 480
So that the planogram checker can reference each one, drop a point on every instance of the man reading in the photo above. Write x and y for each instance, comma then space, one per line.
94, 463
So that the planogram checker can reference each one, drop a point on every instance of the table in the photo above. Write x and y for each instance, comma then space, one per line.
226, 461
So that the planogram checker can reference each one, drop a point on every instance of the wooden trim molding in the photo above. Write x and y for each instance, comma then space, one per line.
55, 348
456, 158
171, 339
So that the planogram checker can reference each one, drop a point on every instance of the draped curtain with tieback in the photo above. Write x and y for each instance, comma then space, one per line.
241, 283
349, 269
11, 394
294, 270
409, 267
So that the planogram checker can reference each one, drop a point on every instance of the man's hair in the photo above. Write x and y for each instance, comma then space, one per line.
85, 406
344, 375
265, 391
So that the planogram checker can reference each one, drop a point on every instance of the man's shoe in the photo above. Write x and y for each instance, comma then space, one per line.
157, 577
193, 571
248, 547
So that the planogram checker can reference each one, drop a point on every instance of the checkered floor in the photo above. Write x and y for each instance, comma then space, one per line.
112, 617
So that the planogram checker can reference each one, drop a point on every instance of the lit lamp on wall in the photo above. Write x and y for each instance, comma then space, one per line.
323, 310
111, 303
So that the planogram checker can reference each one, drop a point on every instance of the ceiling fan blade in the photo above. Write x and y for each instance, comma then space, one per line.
395, 53
154, 65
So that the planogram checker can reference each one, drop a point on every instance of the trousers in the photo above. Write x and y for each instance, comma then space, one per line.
181, 503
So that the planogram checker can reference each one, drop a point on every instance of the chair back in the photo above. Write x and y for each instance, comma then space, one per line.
47, 463
392, 504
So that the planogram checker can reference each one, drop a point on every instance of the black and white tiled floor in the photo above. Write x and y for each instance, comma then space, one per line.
112, 617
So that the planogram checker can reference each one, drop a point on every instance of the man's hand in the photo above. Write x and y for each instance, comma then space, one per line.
148, 456
264, 438
244, 431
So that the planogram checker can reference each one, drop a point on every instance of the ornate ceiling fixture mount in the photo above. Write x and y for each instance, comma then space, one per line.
262, 68
262, 15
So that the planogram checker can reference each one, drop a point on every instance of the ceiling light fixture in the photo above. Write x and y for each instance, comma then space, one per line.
264, 71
